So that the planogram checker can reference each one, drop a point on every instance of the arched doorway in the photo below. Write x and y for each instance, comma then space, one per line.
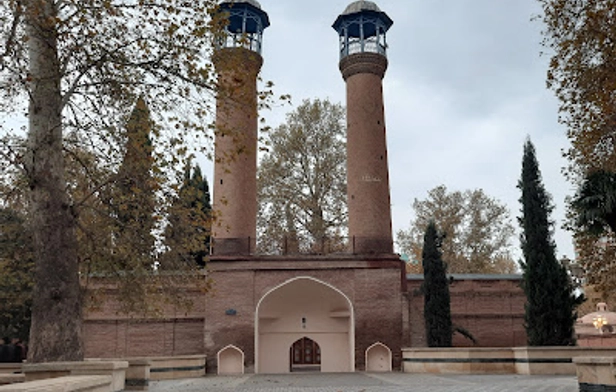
294, 314
305, 355
230, 361
378, 358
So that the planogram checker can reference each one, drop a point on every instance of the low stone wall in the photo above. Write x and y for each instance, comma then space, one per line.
516, 360
596, 374
137, 377
548, 360
169, 368
554, 360
11, 378
64, 384
10, 367
115, 369
143, 369
138, 374
458, 360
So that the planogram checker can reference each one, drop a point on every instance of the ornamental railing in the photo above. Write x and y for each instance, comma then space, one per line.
289, 246
367, 46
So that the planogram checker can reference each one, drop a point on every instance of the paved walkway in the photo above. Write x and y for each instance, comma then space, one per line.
363, 382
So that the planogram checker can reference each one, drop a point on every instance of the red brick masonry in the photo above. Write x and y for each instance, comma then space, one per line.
388, 309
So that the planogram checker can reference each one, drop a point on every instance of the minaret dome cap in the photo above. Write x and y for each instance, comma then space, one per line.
255, 20
364, 13
253, 3
359, 6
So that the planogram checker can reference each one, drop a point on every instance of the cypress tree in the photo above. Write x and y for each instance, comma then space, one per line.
202, 207
188, 234
134, 200
595, 203
550, 299
437, 313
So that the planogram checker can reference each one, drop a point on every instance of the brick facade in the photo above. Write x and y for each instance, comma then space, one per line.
490, 307
109, 333
388, 308
374, 286
235, 161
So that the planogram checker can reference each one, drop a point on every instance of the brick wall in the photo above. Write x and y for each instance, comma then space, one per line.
373, 286
109, 333
490, 307
387, 308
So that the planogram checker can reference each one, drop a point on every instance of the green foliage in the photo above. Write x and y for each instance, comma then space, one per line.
477, 229
126, 210
594, 221
111, 53
89, 188
187, 235
581, 35
133, 197
120, 213
302, 179
595, 203
80, 65
437, 313
550, 310
16, 275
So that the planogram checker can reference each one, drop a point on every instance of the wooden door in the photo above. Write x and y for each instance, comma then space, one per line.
305, 351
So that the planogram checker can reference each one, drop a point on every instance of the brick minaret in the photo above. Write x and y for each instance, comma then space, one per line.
361, 28
238, 61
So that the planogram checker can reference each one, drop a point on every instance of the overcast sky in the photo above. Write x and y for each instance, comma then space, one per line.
464, 88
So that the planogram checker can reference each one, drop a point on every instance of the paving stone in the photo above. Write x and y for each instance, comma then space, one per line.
365, 382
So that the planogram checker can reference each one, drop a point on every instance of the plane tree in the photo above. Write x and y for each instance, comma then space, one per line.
477, 231
80, 66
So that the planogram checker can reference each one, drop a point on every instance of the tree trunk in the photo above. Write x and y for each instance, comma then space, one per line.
56, 313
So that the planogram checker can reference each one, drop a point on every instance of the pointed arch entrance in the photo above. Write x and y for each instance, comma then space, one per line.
304, 307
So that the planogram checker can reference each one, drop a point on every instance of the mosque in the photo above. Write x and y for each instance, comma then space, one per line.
337, 312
